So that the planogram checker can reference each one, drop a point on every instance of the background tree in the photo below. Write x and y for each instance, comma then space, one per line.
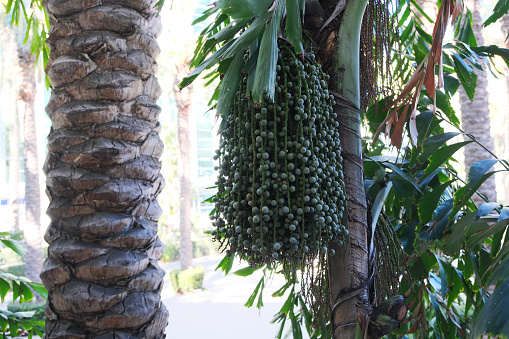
32, 227
14, 169
185, 110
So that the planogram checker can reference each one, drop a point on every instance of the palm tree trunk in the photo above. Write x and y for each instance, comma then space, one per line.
505, 31
184, 105
14, 168
348, 269
103, 172
32, 229
475, 115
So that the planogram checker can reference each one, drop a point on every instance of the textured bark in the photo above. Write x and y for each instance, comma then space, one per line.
505, 31
348, 269
184, 105
32, 229
475, 115
103, 172
14, 168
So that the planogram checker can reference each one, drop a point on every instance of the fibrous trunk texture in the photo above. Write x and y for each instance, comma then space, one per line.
348, 269
14, 167
475, 115
32, 229
103, 172
505, 31
184, 104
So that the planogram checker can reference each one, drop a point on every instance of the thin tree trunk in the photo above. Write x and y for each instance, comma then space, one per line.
505, 31
32, 229
184, 105
348, 269
103, 172
14, 168
475, 115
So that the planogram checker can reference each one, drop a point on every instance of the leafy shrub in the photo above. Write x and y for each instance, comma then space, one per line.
187, 280
38, 308
16, 269
201, 248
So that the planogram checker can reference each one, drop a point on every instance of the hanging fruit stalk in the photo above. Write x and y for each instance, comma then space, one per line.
280, 181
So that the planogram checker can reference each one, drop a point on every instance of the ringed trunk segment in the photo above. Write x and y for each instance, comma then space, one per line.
103, 171
348, 269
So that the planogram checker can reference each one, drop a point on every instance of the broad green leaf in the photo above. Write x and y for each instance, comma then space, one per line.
443, 277
466, 75
424, 182
486, 209
294, 25
454, 241
404, 175
243, 9
492, 318
226, 264
444, 105
464, 31
15, 245
491, 51
406, 235
501, 8
13, 327
501, 272
229, 86
5, 287
4, 323
230, 30
442, 155
27, 292
433, 143
451, 85
429, 202
480, 237
265, 80
244, 272
440, 216
423, 123
209, 200
476, 177
253, 32
376, 208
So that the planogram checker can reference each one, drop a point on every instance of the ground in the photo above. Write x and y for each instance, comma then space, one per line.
218, 311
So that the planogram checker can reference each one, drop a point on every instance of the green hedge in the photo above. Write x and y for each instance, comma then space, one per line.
187, 280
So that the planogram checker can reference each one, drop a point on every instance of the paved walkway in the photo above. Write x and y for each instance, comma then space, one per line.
218, 312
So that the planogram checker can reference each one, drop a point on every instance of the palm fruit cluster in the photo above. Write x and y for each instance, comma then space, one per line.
280, 180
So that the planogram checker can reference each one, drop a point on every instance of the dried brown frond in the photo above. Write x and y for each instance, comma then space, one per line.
423, 75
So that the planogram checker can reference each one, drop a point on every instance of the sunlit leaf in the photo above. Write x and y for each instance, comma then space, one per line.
265, 81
